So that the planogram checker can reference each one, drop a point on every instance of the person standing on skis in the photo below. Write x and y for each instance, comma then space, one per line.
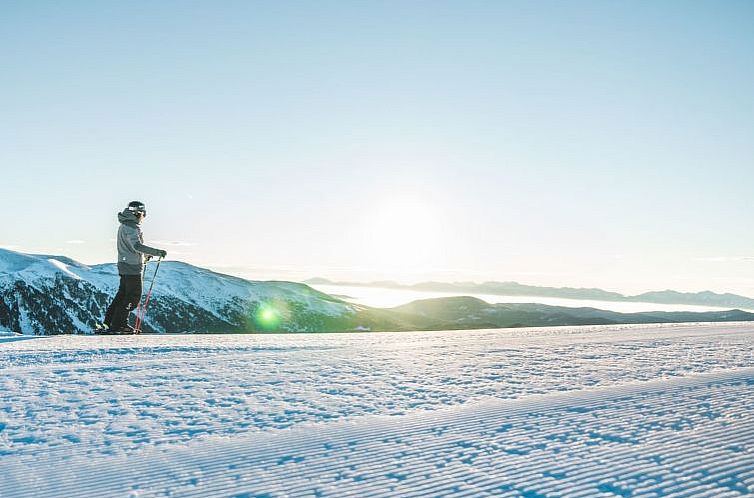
131, 252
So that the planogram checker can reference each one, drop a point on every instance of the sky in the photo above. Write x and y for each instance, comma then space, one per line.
591, 144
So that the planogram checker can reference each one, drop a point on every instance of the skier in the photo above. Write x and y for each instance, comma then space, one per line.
131, 251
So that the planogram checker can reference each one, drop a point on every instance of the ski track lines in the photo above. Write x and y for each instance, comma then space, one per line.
658, 438
568, 411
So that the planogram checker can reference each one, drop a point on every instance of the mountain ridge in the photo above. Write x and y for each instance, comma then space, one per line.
465, 312
510, 288
44, 294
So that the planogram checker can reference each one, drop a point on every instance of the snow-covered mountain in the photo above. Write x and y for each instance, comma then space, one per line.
41, 294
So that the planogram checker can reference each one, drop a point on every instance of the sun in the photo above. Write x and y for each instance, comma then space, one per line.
402, 235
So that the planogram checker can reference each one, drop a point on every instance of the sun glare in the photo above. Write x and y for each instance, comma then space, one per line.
402, 234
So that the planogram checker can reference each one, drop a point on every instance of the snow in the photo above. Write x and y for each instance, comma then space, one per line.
649, 410
7, 333
12, 261
63, 267
30, 267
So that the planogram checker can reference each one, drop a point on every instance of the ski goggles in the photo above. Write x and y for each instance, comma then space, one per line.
138, 210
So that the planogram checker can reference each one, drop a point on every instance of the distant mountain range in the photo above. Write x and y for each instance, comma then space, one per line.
705, 298
471, 313
43, 294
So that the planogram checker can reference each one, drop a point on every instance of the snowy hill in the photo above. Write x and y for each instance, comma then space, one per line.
42, 293
471, 313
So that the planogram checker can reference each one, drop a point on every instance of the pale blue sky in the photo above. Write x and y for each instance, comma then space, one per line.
600, 144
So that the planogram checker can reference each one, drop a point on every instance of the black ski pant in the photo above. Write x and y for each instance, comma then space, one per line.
125, 301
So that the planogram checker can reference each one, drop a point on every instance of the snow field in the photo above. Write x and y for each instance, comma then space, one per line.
576, 411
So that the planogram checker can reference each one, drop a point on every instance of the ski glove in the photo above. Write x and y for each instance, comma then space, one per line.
163, 253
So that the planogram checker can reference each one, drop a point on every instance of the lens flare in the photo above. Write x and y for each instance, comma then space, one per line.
267, 317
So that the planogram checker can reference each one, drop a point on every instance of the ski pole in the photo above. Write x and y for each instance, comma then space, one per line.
143, 279
142, 312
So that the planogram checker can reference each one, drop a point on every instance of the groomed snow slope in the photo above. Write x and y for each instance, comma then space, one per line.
577, 411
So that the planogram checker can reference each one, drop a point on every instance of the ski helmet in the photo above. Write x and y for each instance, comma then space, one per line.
137, 207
